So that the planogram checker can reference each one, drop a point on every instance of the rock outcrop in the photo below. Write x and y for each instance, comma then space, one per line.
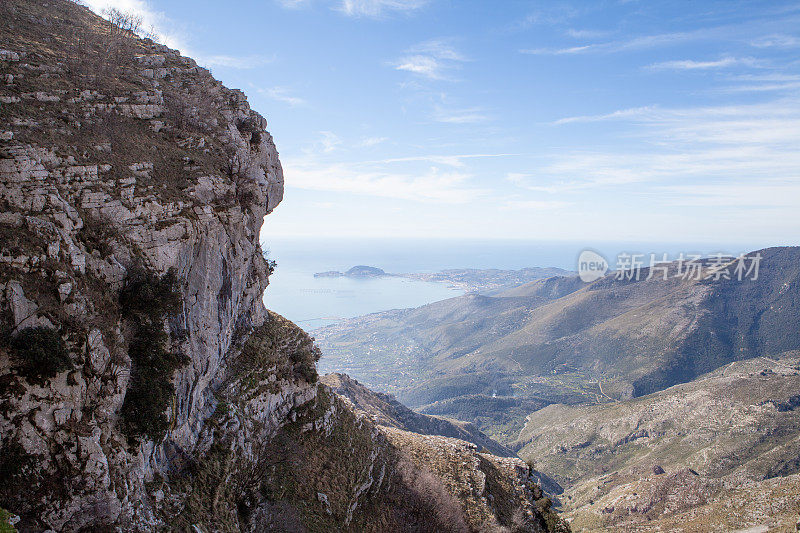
386, 411
143, 385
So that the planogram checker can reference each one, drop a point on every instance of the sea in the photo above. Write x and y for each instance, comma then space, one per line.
312, 302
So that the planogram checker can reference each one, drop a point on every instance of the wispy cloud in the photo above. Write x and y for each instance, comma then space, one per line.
378, 8
766, 87
614, 115
362, 8
690, 64
237, 62
457, 161
734, 146
764, 193
557, 51
283, 94
636, 43
775, 82
431, 59
430, 178
468, 115
370, 141
547, 14
329, 142
432, 185
777, 41
293, 4
538, 205
586, 34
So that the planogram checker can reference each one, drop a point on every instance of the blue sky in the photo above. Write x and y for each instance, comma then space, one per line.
611, 120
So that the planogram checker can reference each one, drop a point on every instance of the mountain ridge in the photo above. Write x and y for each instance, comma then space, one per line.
143, 384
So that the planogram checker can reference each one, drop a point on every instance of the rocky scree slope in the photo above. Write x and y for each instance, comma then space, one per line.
719, 453
143, 385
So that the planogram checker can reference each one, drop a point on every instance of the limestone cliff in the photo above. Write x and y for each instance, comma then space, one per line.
143, 385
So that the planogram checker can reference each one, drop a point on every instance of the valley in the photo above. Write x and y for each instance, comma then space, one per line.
653, 401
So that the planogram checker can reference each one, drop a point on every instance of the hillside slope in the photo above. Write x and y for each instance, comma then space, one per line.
143, 385
386, 411
563, 341
692, 453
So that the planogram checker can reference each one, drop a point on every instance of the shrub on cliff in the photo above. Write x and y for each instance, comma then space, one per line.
40, 353
6, 525
146, 300
278, 348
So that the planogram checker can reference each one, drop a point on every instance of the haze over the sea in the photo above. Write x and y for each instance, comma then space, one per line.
314, 302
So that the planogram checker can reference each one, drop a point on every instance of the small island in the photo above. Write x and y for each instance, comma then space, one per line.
483, 281
358, 271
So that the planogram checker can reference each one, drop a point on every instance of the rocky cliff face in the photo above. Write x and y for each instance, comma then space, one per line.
142, 383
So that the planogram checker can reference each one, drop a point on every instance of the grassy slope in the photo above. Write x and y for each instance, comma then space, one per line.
386, 411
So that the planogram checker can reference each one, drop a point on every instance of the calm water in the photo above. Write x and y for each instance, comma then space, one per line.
315, 302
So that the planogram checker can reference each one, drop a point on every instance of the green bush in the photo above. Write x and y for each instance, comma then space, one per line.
5, 522
271, 263
40, 353
250, 126
147, 296
96, 234
146, 300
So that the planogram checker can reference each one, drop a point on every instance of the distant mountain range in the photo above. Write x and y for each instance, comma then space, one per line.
492, 360
659, 402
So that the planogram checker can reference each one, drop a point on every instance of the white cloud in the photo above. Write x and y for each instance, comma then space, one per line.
293, 4
469, 115
282, 94
689, 64
773, 194
370, 141
437, 178
586, 34
378, 8
243, 62
736, 146
620, 114
432, 185
329, 142
763, 87
456, 161
539, 205
426, 66
430, 59
362, 8
549, 14
765, 83
557, 51
636, 43
777, 41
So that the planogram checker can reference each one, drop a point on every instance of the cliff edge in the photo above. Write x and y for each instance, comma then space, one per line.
143, 385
